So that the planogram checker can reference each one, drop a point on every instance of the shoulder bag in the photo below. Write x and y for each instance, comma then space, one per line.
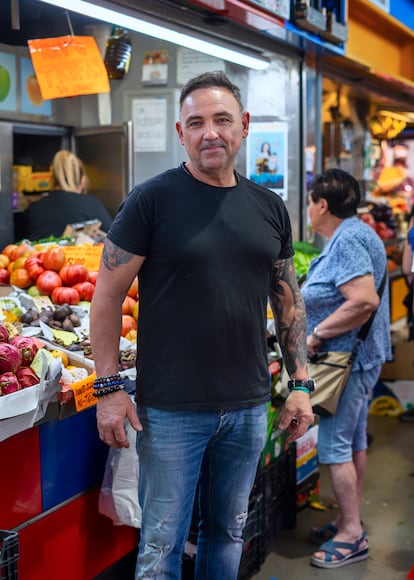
330, 371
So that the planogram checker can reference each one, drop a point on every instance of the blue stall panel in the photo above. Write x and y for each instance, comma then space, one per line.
72, 457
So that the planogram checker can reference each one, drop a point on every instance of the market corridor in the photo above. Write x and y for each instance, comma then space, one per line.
387, 511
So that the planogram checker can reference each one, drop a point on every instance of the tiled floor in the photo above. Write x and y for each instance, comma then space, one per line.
387, 512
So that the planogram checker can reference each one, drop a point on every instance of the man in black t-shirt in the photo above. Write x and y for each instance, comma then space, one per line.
209, 247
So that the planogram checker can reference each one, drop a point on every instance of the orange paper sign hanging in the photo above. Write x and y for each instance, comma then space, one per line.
68, 66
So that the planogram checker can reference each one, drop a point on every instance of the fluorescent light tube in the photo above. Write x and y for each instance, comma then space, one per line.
129, 22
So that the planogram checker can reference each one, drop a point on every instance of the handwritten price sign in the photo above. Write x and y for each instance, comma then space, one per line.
83, 393
68, 66
88, 256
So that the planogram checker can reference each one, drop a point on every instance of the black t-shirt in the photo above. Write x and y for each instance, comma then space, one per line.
50, 215
203, 288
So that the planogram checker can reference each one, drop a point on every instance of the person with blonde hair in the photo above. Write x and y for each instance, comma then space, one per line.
67, 203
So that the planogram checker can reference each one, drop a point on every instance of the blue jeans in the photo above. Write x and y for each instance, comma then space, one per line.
220, 451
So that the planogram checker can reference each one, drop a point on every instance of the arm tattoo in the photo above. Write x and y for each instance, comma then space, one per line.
289, 312
113, 256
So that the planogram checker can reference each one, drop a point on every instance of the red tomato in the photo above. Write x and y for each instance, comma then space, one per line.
34, 267
54, 259
72, 275
85, 289
47, 281
4, 276
65, 295
92, 276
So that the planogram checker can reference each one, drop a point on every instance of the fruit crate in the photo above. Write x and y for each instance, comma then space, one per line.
9, 554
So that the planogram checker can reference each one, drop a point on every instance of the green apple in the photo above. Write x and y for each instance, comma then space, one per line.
4, 83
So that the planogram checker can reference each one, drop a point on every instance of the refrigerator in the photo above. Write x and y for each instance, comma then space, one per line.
107, 153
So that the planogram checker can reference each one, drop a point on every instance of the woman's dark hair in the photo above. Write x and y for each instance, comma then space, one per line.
208, 80
340, 190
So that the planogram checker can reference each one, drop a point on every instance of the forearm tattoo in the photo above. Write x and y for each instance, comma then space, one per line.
289, 312
114, 256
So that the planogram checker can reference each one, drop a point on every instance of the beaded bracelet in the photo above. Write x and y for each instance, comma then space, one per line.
102, 391
105, 380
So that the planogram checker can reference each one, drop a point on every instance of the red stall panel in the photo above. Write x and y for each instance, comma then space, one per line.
20, 484
74, 542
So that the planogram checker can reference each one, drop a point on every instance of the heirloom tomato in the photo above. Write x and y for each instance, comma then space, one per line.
54, 259
34, 266
73, 274
85, 289
48, 281
65, 295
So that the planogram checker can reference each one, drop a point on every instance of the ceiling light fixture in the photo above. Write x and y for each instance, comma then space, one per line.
131, 22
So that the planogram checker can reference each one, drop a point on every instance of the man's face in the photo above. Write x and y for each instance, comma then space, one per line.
211, 129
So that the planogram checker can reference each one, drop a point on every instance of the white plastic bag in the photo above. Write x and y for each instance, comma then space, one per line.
118, 498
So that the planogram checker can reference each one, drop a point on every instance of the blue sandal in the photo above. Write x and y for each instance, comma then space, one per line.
331, 549
326, 532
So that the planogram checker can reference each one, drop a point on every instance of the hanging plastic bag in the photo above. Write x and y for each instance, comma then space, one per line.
118, 498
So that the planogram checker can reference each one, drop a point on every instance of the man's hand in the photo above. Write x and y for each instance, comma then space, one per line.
297, 415
111, 411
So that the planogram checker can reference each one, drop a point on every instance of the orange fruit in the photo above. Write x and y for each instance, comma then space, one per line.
133, 289
22, 249
7, 251
127, 305
134, 311
20, 278
128, 323
19, 263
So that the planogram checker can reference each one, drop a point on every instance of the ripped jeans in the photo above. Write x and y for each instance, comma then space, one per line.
220, 451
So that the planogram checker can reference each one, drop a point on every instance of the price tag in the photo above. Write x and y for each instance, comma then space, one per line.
42, 302
88, 256
83, 393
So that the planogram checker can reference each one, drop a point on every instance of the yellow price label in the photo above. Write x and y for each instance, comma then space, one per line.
83, 393
42, 302
88, 256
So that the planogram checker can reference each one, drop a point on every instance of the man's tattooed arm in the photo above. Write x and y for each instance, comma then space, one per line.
113, 256
290, 316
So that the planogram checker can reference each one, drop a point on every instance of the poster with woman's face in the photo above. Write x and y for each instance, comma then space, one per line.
266, 156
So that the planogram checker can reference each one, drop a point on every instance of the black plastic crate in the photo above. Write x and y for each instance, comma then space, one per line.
278, 477
254, 521
9, 554
251, 560
281, 515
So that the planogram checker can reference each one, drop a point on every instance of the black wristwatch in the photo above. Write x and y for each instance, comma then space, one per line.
301, 384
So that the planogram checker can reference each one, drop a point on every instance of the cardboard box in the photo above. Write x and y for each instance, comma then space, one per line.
402, 365
307, 454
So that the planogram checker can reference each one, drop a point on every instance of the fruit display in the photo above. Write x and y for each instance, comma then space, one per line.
17, 354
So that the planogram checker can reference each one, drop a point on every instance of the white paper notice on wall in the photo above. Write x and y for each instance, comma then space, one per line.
191, 63
149, 118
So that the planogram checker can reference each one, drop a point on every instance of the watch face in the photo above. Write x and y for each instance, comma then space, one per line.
307, 383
